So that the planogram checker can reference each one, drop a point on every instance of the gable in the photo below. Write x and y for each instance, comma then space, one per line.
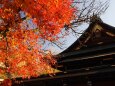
97, 34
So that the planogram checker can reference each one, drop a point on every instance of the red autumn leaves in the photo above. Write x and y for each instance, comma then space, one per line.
20, 51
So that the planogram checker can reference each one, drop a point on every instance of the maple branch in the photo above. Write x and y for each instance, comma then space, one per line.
7, 49
86, 9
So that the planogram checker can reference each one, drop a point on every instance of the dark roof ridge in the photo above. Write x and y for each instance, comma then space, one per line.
91, 25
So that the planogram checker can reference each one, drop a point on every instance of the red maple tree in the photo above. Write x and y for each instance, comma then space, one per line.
20, 51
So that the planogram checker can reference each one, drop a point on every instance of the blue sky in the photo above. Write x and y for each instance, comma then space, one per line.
109, 16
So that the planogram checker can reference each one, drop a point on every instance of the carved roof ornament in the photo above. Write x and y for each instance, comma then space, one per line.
95, 18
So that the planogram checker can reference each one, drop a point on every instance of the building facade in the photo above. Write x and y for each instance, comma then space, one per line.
89, 61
